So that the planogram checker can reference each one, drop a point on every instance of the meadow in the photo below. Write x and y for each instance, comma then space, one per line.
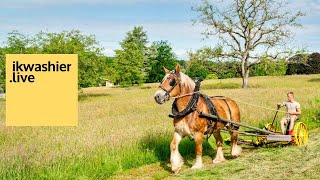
124, 134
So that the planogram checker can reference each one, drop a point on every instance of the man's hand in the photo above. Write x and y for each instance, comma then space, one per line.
279, 105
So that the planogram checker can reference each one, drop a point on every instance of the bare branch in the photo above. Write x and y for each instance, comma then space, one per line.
243, 26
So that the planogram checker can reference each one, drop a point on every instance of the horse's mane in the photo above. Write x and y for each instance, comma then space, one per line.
187, 82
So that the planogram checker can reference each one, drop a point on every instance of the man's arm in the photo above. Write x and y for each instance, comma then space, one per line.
296, 113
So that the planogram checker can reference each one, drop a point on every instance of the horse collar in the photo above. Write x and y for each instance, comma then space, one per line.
192, 105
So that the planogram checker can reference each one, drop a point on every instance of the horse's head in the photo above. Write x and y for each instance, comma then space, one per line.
169, 86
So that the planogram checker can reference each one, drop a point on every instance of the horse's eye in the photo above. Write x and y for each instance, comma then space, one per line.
172, 82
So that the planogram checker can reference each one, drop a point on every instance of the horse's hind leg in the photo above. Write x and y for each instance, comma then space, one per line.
175, 157
235, 148
219, 157
198, 140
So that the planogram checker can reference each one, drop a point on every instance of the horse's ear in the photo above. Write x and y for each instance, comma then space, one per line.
177, 69
166, 70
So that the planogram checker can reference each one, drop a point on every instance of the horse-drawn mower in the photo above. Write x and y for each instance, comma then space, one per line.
195, 114
268, 134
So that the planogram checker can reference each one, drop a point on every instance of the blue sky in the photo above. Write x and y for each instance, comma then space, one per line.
109, 20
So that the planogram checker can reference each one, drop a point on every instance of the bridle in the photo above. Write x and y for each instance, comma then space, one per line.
173, 83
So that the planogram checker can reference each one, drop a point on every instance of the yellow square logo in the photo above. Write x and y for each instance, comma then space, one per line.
41, 90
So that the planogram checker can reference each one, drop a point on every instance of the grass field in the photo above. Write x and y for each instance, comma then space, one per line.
123, 134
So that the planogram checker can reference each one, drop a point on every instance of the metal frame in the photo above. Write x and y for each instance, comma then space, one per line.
270, 136
236, 123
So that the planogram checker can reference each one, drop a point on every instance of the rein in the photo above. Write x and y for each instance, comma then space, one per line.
177, 97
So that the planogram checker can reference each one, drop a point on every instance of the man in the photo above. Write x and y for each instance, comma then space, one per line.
293, 110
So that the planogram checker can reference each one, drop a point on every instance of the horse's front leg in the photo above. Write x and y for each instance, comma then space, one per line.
235, 148
198, 140
219, 157
175, 157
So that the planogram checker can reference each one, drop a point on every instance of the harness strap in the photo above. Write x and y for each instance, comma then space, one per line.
211, 107
233, 127
227, 106
172, 87
213, 111
163, 88
192, 105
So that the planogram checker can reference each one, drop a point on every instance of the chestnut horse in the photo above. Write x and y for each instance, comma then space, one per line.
180, 86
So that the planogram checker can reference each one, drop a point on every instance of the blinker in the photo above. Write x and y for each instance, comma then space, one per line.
172, 82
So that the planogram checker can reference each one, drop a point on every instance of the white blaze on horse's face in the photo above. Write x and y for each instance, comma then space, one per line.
160, 95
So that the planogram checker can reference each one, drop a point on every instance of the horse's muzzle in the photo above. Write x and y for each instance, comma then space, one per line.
160, 97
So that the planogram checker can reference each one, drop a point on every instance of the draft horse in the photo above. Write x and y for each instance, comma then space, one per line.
178, 85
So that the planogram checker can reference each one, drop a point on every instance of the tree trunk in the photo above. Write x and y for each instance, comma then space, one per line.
245, 78
245, 70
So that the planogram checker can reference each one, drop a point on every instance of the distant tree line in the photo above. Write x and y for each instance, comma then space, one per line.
134, 63
304, 64
138, 61
298, 64
92, 62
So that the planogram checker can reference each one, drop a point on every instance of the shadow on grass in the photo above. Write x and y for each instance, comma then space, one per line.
314, 80
83, 97
159, 144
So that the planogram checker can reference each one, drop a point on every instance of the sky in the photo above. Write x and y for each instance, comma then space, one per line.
110, 20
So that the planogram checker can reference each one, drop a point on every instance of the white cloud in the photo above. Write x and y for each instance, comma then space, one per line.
181, 35
307, 29
310, 7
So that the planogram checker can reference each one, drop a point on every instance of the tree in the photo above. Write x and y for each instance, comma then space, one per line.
304, 64
199, 65
244, 27
314, 62
17, 43
91, 63
129, 61
160, 55
109, 70
196, 69
90, 59
207, 58
269, 68
137, 36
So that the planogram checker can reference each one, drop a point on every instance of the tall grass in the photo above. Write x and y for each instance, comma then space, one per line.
123, 128
311, 116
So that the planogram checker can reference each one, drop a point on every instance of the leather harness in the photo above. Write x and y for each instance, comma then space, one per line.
192, 106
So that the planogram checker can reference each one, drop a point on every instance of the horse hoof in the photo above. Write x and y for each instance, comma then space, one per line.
236, 153
176, 170
218, 161
197, 166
